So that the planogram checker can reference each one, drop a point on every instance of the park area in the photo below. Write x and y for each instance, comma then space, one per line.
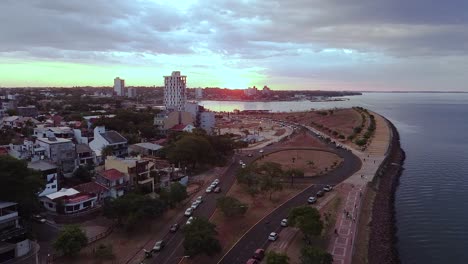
311, 162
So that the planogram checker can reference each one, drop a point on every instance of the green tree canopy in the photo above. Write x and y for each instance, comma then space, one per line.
231, 206
307, 219
192, 150
200, 238
276, 258
83, 173
20, 184
70, 240
175, 194
313, 255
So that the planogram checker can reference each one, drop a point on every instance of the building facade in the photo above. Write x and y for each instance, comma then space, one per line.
207, 121
49, 174
175, 93
14, 242
131, 92
61, 151
103, 139
119, 86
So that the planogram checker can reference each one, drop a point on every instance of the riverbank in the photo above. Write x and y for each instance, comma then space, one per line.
382, 226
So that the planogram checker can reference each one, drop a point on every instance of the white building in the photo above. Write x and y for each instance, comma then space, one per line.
103, 138
61, 151
251, 91
198, 93
49, 175
175, 93
207, 121
119, 86
14, 242
131, 92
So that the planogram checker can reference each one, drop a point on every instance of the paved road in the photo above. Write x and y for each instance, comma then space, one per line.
256, 238
45, 234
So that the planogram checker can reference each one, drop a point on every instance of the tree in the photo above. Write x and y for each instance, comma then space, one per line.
294, 173
200, 238
70, 240
107, 151
313, 255
192, 150
276, 258
270, 181
231, 206
83, 173
307, 219
20, 184
177, 193
11, 112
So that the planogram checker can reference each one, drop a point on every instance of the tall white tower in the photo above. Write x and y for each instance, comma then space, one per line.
119, 86
175, 91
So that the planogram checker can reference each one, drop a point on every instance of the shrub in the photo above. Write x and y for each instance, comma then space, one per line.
361, 142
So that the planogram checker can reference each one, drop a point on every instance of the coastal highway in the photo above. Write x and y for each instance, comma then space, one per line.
257, 236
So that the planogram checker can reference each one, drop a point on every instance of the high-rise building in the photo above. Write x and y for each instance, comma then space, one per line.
175, 93
131, 92
198, 93
119, 86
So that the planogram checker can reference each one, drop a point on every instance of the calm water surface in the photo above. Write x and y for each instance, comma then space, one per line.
431, 200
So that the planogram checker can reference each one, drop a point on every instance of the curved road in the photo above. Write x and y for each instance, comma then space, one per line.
257, 236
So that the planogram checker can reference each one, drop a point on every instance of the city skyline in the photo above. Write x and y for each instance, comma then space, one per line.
299, 45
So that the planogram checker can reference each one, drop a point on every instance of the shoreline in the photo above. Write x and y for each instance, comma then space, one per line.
382, 225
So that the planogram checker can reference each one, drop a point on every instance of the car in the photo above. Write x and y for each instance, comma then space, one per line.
252, 261
159, 245
259, 254
38, 218
217, 190
320, 193
241, 162
174, 228
213, 186
243, 166
188, 212
250, 155
273, 236
261, 151
189, 221
311, 200
209, 189
216, 181
328, 188
195, 205
199, 199
284, 222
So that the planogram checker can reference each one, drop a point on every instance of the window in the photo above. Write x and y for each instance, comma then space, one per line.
87, 204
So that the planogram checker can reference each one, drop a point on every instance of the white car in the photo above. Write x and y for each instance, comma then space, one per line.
199, 199
216, 181
273, 236
188, 212
312, 200
241, 162
209, 189
261, 151
189, 221
328, 188
195, 205
284, 222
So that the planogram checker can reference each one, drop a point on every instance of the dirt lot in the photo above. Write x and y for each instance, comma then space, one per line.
311, 162
303, 140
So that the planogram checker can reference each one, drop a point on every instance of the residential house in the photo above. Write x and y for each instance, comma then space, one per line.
58, 132
100, 191
68, 201
135, 169
165, 120
14, 242
182, 128
145, 148
103, 139
30, 111
61, 151
49, 175
85, 155
114, 181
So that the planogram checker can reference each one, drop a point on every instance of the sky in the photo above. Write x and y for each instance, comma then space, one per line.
380, 45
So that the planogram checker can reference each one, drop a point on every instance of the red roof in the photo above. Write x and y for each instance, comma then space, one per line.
112, 174
178, 127
77, 198
3, 151
90, 187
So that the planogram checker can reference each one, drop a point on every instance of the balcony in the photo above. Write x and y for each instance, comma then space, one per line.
6, 214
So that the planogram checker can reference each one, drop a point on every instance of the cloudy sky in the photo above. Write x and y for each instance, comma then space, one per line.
288, 44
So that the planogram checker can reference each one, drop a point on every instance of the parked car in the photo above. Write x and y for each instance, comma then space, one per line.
195, 205
284, 222
250, 155
217, 190
188, 212
199, 199
259, 254
328, 188
243, 166
311, 200
216, 181
158, 246
174, 228
241, 162
252, 261
261, 151
189, 221
320, 193
38, 218
273, 236
209, 189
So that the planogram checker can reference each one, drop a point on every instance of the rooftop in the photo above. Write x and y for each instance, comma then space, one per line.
54, 140
6, 204
149, 146
41, 165
63, 192
112, 174
113, 137
83, 148
91, 187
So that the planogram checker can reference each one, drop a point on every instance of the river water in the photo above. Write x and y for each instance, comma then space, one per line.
431, 200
